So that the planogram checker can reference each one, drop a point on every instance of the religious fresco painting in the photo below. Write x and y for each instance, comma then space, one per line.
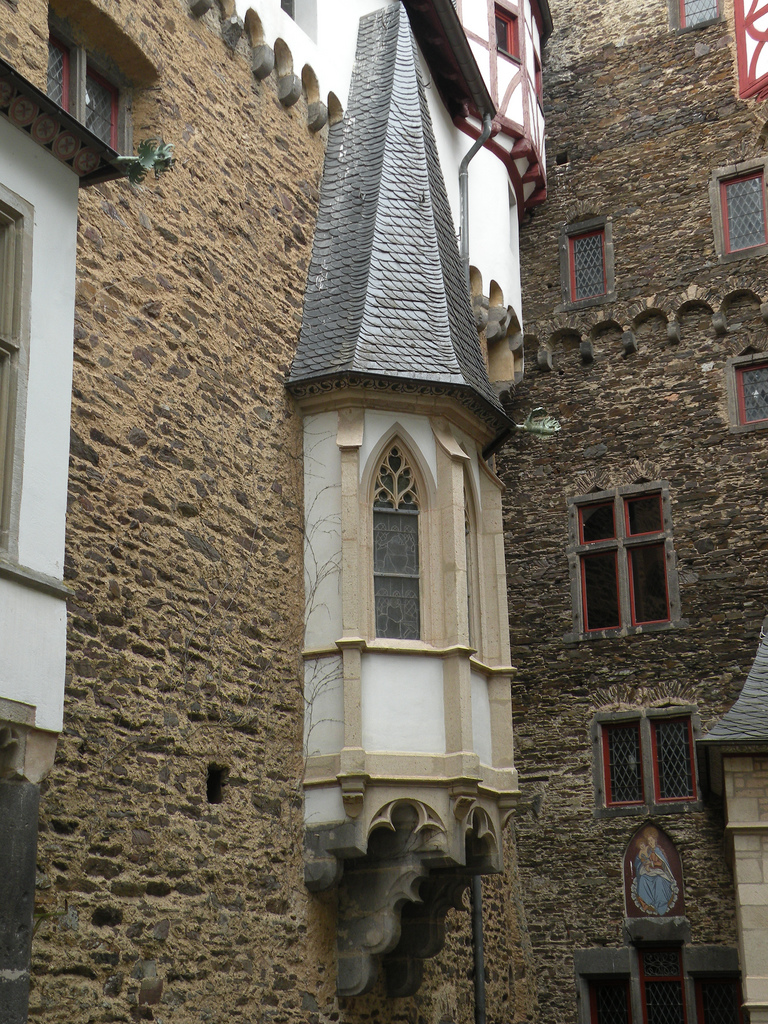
653, 876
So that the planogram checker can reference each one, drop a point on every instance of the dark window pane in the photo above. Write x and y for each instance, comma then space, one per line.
697, 11
754, 384
610, 1003
649, 583
644, 514
597, 523
719, 1002
396, 543
501, 34
397, 607
746, 217
588, 266
624, 764
289, 7
673, 757
664, 1002
98, 109
601, 595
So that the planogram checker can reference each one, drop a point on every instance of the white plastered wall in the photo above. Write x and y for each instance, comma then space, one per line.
33, 623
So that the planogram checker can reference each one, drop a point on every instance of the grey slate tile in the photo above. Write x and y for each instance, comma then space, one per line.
747, 720
386, 293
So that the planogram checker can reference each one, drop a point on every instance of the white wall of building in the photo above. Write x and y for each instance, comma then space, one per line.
33, 623
402, 703
322, 532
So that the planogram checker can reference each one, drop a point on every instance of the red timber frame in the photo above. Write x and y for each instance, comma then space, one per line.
524, 146
746, 25
724, 208
693, 795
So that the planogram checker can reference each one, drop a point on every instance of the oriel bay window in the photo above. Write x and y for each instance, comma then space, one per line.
622, 560
396, 549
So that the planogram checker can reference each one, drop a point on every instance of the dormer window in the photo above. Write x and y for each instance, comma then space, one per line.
507, 40
396, 549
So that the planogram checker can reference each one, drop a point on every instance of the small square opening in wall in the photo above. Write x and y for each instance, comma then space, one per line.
217, 780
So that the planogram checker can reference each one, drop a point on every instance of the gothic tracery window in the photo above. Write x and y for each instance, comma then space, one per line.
396, 548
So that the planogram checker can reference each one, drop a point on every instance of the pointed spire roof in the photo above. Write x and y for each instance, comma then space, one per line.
386, 293
747, 720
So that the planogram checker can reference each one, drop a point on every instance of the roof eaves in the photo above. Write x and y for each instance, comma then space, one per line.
107, 167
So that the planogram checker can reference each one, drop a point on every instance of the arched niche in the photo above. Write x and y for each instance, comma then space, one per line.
653, 875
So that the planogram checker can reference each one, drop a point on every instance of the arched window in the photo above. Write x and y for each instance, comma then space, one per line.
396, 549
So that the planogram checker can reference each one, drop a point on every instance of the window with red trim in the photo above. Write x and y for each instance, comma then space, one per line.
742, 202
696, 12
752, 392
586, 259
58, 72
84, 92
661, 986
648, 761
539, 82
609, 1002
507, 41
622, 552
718, 1001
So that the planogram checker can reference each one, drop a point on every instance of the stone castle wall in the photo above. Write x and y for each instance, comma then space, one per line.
640, 118
184, 553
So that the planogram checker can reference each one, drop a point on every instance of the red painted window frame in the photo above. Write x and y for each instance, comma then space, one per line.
53, 41
606, 730
114, 92
734, 982
630, 572
724, 210
572, 239
683, 20
669, 977
510, 20
588, 508
740, 391
585, 616
643, 497
595, 985
691, 753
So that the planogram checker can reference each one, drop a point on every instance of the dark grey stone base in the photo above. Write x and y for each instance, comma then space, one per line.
18, 856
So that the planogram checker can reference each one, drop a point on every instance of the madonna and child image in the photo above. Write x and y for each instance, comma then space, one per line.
653, 875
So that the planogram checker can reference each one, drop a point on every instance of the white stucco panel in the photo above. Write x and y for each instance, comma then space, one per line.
322, 535
33, 634
481, 719
323, 805
474, 17
402, 704
323, 706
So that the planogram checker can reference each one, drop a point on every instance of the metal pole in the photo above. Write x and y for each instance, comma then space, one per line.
477, 942
464, 191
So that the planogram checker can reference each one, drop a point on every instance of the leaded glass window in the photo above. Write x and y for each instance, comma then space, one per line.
587, 266
753, 393
663, 987
622, 750
58, 73
744, 202
396, 549
610, 1002
697, 11
719, 1001
673, 759
100, 105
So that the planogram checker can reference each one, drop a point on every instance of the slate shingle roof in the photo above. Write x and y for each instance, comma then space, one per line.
747, 720
386, 293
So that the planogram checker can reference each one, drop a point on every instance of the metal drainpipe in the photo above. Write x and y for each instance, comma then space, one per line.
477, 942
464, 190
